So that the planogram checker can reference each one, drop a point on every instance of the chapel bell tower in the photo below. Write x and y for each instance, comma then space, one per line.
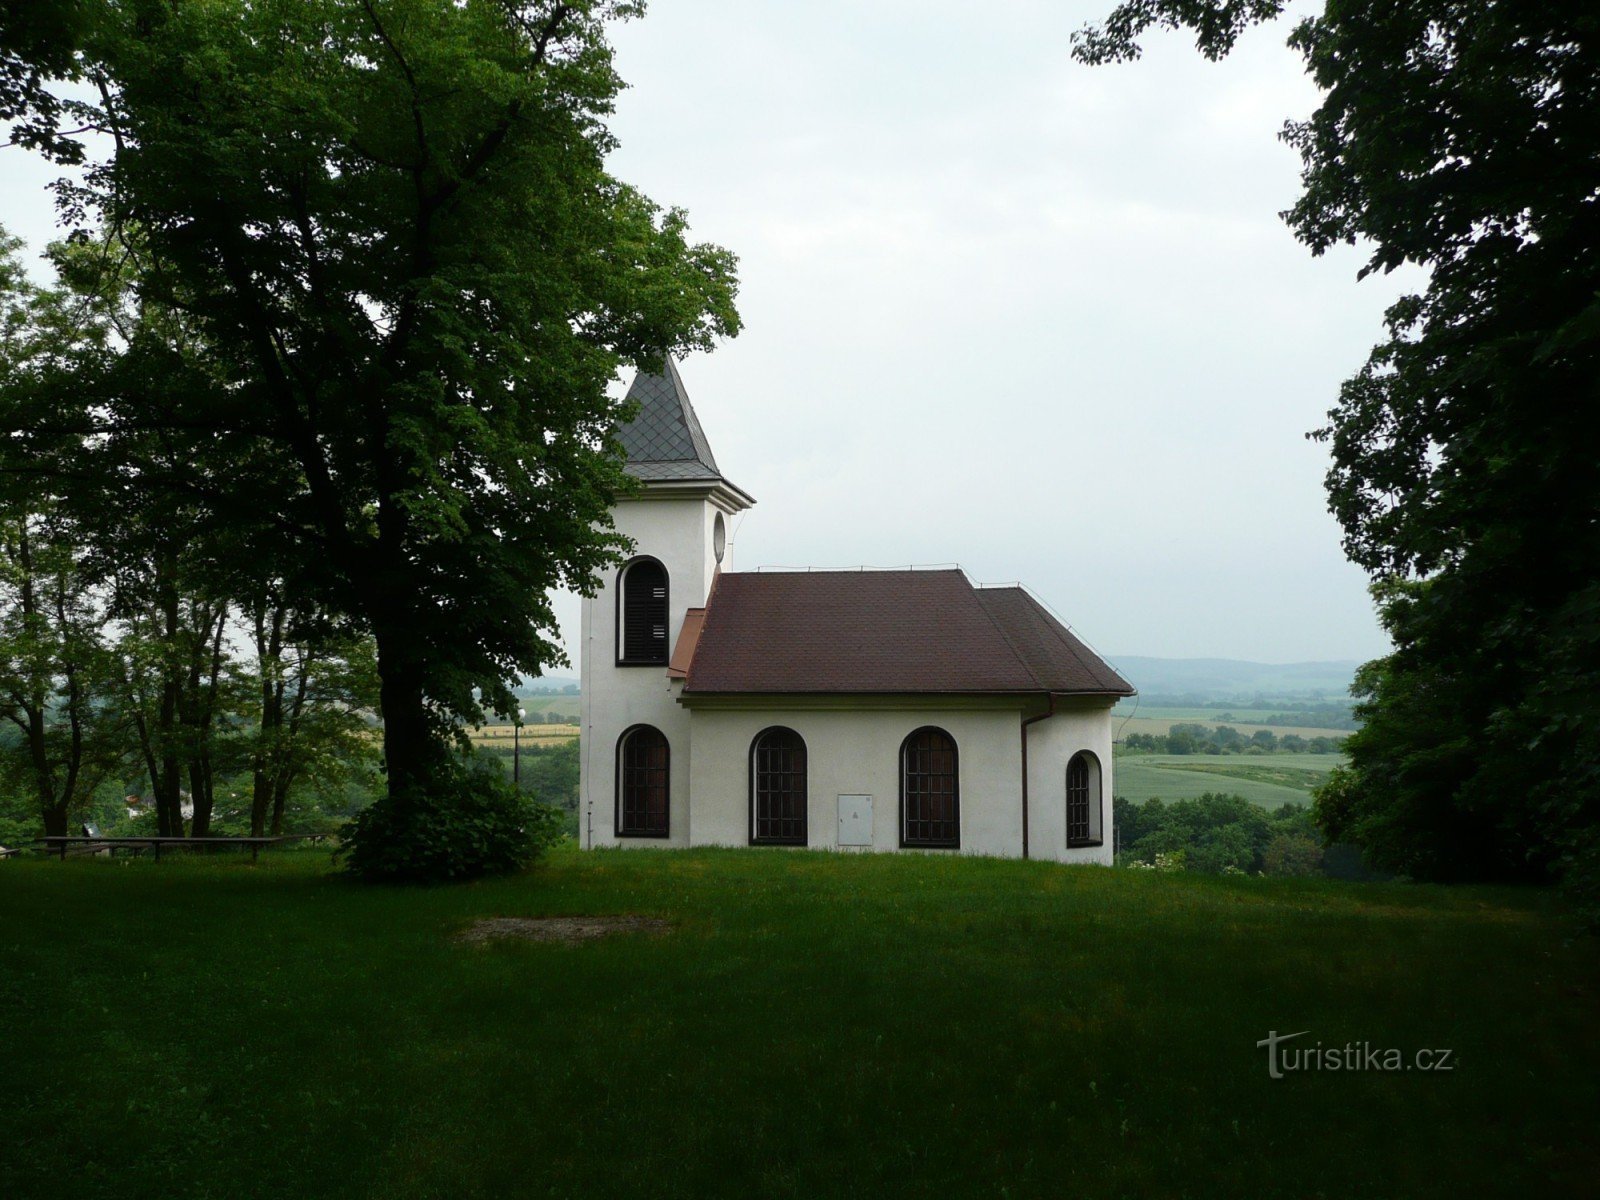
679, 522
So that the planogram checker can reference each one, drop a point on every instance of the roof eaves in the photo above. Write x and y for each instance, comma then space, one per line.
1055, 626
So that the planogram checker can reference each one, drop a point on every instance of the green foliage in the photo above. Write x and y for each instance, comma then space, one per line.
1293, 855
1191, 738
1215, 833
395, 281
1217, 25
549, 775
64, 731
1464, 138
472, 823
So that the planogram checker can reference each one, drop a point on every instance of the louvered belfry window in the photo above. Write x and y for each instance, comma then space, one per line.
778, 787
643, 636
1079, 830
643, 784
930, 800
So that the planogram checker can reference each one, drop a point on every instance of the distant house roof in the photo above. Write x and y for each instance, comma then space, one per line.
887, 632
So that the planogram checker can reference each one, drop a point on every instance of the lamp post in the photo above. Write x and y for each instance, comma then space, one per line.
516, 749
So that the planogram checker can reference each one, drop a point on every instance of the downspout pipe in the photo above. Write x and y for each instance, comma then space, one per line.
1026, 721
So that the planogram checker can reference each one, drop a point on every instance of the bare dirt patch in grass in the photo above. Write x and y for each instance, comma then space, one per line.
566, 930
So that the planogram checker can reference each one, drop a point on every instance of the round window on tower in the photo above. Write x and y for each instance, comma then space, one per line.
719, 537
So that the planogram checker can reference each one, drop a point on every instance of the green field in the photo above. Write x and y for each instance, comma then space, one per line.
811, 1025
1266, 779
536, 706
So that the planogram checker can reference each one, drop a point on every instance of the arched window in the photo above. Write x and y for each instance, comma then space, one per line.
778, 788
642, 614
1083, 800
930, 797
643, 783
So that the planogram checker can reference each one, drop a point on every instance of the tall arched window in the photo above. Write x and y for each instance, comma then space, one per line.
778, 788
642, 614
643, 783
930, 796
1083, 800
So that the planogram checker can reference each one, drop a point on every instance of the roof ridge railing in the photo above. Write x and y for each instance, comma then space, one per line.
1067, 625
781, 568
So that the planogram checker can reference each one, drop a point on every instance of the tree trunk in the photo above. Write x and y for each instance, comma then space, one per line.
207, 664
201, 796
55, 820
280, 801
409, 748
268, 749
52, 811
260, 800
168, 785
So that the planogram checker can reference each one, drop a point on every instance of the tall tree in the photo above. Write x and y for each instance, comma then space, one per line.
391, 223
56, 668
56, 675
1464, 138
315, 690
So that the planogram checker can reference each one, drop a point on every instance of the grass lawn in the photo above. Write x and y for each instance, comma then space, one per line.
814, 1025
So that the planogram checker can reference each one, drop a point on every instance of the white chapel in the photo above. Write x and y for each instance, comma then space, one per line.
849, 710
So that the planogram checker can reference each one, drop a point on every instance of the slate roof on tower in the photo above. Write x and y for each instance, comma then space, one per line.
885, 632
664, 440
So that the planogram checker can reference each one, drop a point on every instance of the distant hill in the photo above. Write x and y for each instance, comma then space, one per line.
546, 684
1217, 679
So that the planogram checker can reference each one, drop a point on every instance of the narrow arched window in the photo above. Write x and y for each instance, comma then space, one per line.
643, 783
930, 796
778, 788
642, 614
1083, 800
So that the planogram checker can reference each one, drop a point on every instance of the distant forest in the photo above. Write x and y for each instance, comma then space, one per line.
1185, 738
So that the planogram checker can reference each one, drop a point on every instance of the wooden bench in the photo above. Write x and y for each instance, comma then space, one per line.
62, 844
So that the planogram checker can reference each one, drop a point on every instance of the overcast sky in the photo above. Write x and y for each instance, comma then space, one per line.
1003, 310
1012, 312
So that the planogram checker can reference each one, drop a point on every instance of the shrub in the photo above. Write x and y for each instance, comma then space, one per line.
1292, 854
16, 832
469, 822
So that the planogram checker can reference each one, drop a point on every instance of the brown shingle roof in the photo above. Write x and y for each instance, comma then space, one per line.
1055, 655
688, 639
885, 631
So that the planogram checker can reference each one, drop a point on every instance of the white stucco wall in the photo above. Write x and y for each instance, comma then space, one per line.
854, 752
677, 531
858, 753
1077, 725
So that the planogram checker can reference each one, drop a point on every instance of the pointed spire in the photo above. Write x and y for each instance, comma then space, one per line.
664, 440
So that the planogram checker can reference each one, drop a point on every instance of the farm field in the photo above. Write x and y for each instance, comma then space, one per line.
970, 1027
1268, 779
1202, 716
1122, 726
540, 704
532, 735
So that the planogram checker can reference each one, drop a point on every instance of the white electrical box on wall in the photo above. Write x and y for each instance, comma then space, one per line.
855, 820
